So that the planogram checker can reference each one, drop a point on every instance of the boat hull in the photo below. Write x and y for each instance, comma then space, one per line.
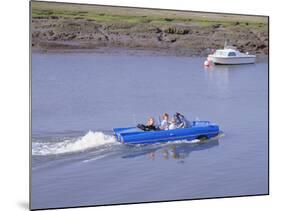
198, 129
232, 60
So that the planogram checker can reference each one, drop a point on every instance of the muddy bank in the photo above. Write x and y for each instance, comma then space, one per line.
53, 32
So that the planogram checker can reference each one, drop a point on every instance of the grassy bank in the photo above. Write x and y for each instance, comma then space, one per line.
92, 26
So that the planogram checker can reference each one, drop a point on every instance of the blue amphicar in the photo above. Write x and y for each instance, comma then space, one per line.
196, 130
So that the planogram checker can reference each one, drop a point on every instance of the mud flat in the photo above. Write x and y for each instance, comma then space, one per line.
60, 27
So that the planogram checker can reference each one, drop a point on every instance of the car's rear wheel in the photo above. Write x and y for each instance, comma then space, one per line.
202, 138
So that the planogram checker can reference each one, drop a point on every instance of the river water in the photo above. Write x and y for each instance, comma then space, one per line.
77, 98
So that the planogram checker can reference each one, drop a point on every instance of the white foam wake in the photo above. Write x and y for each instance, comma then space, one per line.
88, 141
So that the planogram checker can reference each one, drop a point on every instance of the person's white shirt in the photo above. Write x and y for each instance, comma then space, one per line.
164, 125
172, 126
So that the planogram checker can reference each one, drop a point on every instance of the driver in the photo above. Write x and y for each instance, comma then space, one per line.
150, 125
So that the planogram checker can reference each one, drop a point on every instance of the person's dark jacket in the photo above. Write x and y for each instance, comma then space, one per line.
146, 127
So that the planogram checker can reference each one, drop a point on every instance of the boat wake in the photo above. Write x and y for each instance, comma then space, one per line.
100, 144
89, 141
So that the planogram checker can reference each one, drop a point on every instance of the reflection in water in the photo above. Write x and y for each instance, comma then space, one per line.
178, 151
218, 77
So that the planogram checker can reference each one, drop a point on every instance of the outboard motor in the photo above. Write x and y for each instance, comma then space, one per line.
181, 121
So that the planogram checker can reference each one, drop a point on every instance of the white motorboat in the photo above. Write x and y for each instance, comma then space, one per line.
230, 55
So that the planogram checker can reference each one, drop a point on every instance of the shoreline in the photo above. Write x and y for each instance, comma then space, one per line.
58, 27
122, 50
130, 52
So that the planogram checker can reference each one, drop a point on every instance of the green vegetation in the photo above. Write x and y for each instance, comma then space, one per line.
76, 26
138, 16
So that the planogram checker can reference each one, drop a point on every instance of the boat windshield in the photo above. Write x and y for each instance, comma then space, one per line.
225, 53
220, 53
231, 54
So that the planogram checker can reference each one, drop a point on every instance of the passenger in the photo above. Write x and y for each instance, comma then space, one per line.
150, 125
173, 124
181, 121
164, 125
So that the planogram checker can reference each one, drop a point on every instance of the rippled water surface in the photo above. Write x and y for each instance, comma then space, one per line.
78, 98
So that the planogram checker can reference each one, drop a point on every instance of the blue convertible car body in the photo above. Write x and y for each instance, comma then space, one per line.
197, 130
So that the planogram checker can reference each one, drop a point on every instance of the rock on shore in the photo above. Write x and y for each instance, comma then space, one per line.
59, 33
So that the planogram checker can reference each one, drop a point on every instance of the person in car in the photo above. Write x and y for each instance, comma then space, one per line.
150, 125
164, 125
173, 124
